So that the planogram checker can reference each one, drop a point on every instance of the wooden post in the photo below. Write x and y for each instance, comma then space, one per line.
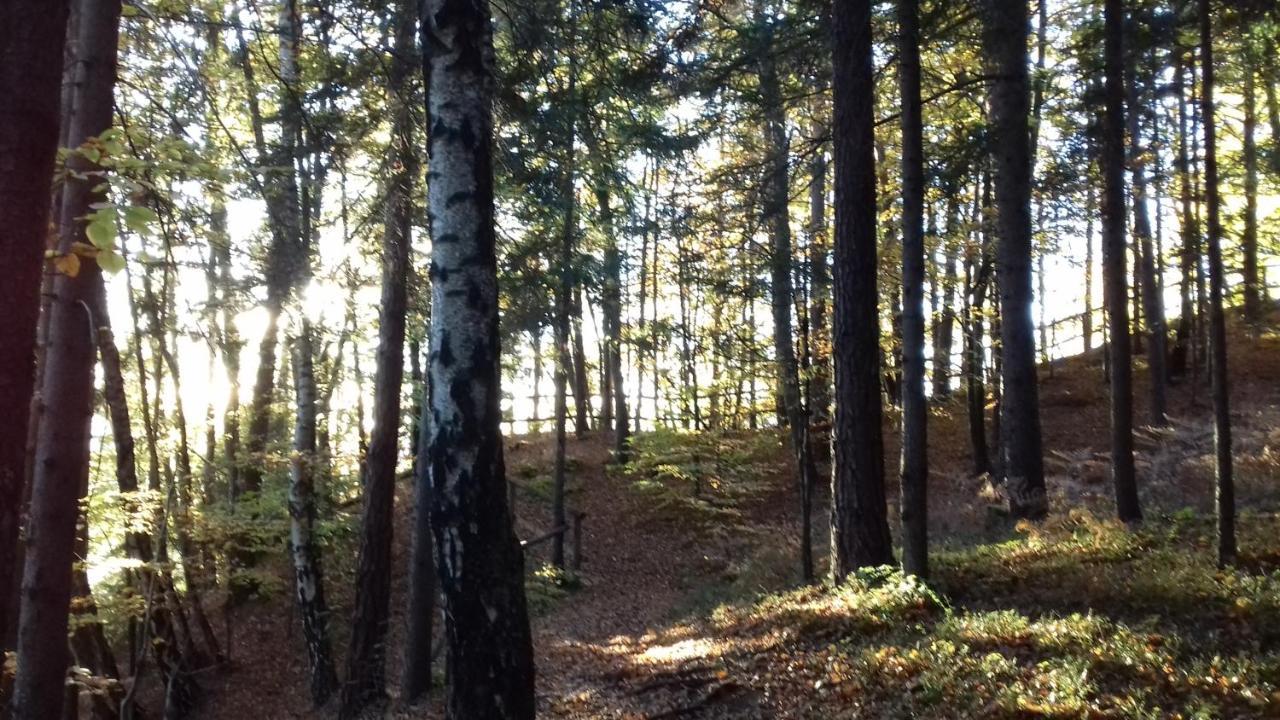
575, 561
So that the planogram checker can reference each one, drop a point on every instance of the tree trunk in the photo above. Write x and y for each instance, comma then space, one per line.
1152, 293
1005, 34
1249, 242
62, 442
308, 578
775, 216
422, 569
979, 266
859, 523
1113, 265
563, 366
1189, 254
1226, 499
287, 254
613, 330
89, 647
915, 408
159, 634
481, 565
536, 344
944, 331
819, 391
365, 685
198, 579
581, 388
644, 288
1086, 320
31, 47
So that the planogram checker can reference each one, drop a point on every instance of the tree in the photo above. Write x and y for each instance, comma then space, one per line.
774, 211
32, 34
1151, 292
1005, 28
308, 576
481, 568
366, 655
1113, 251
915, 408
859, 524
62, 444
1249, 240
287, 254
422, 570
1226, 494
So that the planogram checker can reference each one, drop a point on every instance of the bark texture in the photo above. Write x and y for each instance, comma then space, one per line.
1151, 291
62, 442
859, 524
1113, 265
1226, 493
481, 566
915, 409
32, 35
366, 654
1005, 29
775, 213
308, 577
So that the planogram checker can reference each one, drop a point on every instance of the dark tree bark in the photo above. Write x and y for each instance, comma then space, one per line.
1189, 253
308, 577
418, 651
915, 408
32, 35
1152, 292
819, 390
774, 213
859, 523
644, 289
944, 329
613, 331
365, 684
1226, 494
1086, 320
1249, 241
1272, 70
978, 268
564, 305
581, 388
564, 361
1005, 27
535, 344
481, 565
62, 442
1113, 252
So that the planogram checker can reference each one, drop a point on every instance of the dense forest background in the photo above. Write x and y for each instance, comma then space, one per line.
343, 338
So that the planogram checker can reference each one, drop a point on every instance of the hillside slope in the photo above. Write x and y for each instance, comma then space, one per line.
683, 606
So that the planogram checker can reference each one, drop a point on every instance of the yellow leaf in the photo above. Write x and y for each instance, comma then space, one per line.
68, 264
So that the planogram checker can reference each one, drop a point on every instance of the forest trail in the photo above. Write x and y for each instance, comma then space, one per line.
637, 634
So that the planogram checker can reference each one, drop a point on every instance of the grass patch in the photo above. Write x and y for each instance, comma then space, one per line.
545, 587
701, 477
1075, 618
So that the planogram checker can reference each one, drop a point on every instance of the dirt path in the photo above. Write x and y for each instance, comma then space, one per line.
610, 649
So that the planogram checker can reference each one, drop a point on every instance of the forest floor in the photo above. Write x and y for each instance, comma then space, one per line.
688, 603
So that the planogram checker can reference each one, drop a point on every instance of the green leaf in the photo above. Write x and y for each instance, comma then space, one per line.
110, 261
139, 219
101, 229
